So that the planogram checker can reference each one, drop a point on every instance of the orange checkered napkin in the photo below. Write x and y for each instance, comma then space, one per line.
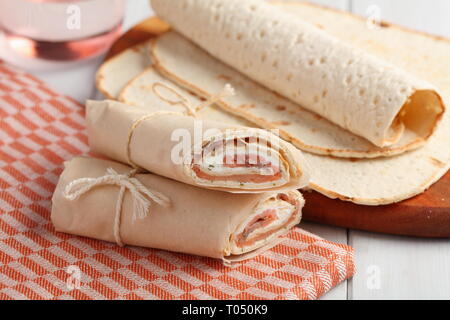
39, 129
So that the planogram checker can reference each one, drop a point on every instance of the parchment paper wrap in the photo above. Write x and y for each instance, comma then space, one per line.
198, 221
157, 142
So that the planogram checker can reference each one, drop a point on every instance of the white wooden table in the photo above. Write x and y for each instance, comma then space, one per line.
389, 267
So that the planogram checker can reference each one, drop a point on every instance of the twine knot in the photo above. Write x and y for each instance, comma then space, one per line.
140, 194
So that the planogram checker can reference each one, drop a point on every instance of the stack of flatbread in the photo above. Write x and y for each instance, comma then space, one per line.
367, 106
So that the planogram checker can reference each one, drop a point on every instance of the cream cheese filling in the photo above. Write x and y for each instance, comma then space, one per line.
241, 161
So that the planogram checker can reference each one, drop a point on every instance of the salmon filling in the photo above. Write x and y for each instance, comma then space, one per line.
244, 178
283, 211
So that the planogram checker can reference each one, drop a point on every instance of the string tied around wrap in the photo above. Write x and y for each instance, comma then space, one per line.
228, 90
141, 195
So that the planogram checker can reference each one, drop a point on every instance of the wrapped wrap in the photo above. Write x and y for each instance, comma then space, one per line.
203, 153
196, 221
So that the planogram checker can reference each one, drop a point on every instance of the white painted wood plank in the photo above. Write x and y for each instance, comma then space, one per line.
391, 267
136, 11
425, 15
68, 80
337, 293
338, 235
335, 234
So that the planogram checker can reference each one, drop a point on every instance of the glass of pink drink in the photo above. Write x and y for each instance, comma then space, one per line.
58, 30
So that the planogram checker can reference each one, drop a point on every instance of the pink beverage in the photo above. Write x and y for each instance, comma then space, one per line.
59, 30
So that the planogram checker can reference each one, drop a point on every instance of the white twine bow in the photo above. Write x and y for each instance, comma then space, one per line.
140, 194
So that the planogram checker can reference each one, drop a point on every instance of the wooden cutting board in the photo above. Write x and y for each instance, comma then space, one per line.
427, 215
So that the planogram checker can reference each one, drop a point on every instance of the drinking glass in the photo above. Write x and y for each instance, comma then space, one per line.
59, 30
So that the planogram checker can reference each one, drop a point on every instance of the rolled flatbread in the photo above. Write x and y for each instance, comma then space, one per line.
181, 60
197, 221
353, 89
202, 153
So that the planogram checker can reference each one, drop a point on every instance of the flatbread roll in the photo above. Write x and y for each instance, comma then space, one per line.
350, 87
203, 153
187, 64
197, 221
